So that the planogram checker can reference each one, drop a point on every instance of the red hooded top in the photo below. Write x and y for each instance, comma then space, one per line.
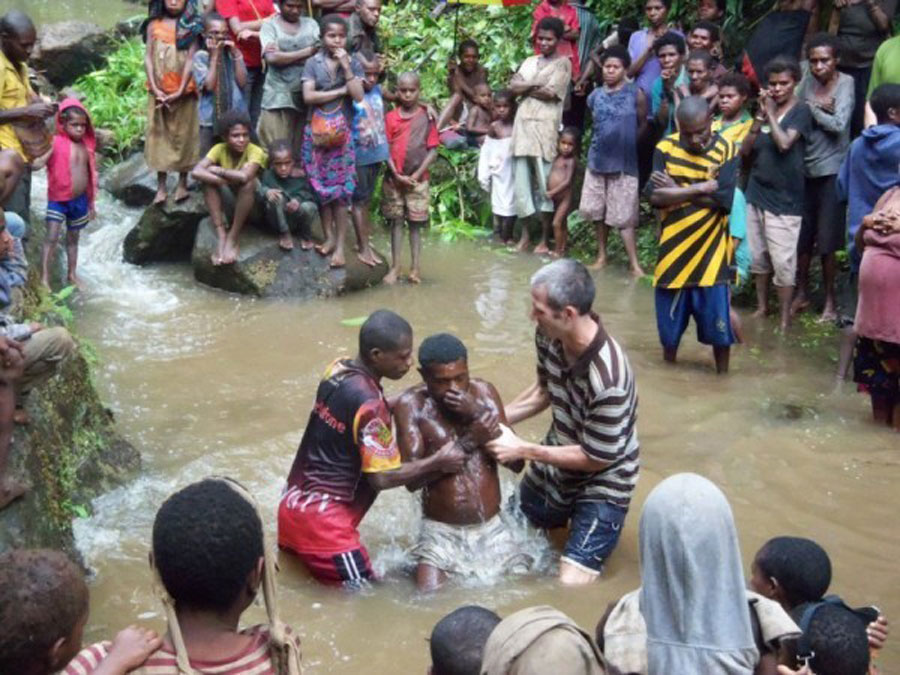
59, 175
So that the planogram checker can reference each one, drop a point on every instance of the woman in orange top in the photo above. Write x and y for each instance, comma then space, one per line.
173, 131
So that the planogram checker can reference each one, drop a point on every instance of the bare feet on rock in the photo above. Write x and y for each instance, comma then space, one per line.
160, 197
285, 242
305, 244
337, 260
391, 277
181, 193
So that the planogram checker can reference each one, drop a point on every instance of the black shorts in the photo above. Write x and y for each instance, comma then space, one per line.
366, 177
824, 226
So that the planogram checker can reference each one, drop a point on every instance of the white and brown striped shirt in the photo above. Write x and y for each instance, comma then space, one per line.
594, 405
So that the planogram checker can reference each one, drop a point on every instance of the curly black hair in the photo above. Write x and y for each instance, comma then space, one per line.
42, 597
801, 566
458, 640
441, 348
837, 638
206, 540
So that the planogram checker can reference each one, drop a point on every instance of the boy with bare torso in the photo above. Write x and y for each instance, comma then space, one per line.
559, 188
461, 525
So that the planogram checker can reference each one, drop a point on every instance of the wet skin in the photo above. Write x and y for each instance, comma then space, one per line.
425, 422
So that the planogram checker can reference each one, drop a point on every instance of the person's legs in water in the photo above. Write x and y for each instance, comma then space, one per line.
396, 251
629, 239
181, 189
161, 189
883, 408
602, 237
213, 198
72, 237
762, 295
243, 203
51, 239
509, 224
340, 214
415, 248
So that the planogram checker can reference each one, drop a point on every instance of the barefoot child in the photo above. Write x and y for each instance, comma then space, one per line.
372, 152
413, 139
495, 167
43, 611
173, 126
559, 186
209, 560
332, 80
609, 197
288, 200
232, 165
71, 185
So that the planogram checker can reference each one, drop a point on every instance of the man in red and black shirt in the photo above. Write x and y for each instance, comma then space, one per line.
348, 454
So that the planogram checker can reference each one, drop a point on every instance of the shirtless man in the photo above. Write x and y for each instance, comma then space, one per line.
461, 523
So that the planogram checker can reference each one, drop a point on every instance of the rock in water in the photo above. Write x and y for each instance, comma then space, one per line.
132, 181
69, 49
166, 232
265, 270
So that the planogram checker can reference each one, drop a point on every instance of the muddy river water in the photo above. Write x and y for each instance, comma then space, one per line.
203, 382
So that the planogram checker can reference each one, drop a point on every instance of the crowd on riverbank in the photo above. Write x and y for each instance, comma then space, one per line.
265, 105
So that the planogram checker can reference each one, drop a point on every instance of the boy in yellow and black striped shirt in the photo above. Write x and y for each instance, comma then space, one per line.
692, 185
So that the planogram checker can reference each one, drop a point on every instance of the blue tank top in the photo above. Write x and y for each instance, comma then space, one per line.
614, 140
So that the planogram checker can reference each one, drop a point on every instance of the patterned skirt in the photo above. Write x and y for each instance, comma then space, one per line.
331, 171
876, 367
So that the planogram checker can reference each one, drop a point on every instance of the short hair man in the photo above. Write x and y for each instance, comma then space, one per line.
461, 524
18, 101
348, 454
692, 183
457, 641
584, 472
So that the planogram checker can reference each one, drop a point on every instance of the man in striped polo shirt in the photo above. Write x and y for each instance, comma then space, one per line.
692, 185
584, 472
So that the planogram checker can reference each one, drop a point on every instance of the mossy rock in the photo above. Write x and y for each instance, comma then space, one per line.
165, 232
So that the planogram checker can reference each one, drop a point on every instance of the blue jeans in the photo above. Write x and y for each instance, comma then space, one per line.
594, 527
15, 225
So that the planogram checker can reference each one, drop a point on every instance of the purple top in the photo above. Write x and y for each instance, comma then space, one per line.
637, 44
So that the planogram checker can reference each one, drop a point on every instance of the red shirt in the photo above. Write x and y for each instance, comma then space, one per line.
567, 14
247, 10
410, 139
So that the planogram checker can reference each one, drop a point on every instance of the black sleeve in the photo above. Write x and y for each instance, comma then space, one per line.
727, 180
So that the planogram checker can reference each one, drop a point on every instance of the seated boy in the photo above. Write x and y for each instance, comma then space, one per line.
209, 560
43, 611
289, 202
234, 165
472, 132
413, 141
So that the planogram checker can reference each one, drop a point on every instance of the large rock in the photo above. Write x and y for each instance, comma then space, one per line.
132, 181
69, 49
165, 232
265, 270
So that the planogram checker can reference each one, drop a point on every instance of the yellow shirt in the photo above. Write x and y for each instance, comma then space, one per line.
252, 155
15, 92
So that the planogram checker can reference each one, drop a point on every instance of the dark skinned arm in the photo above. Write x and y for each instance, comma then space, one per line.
672, 195
212, 73
783, 138
519, 86
203, 174
428, 161
240, 176
335, 5
311, 96
410, 441
640, 105
881, 20
544, 94
244, 29
275, 57
638, 65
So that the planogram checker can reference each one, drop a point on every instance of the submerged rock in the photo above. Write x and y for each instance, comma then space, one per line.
69, 49
265, 270
165, 232
131, 181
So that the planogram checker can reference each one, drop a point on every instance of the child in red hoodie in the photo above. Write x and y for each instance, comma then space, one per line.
71, 184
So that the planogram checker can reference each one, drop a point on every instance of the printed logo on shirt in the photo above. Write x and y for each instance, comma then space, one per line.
376, 439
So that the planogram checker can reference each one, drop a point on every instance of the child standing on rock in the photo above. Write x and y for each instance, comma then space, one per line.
71, 184
173, 126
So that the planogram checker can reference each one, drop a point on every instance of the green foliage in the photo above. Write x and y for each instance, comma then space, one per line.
117, 96
56, 304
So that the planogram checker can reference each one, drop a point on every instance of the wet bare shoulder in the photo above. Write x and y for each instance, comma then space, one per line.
411, 400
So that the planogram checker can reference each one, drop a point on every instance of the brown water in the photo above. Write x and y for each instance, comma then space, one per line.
204, 382
105, 13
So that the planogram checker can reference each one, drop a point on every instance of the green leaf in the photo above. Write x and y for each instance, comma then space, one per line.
355, 321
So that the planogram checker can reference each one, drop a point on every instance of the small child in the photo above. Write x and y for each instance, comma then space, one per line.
71, 185
172, 140
231, 165
560, 185
472, 132
700, 79
371, 153
209, 560
609, 197
43, 611
220, 75
288, 200
495, 167
413, 140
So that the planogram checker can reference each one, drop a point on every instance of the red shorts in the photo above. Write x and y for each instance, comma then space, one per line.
323, 533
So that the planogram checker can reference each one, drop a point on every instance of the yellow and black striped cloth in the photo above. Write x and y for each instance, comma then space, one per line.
695, 248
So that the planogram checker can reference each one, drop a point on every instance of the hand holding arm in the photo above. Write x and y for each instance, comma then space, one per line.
129, 650
428, 161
